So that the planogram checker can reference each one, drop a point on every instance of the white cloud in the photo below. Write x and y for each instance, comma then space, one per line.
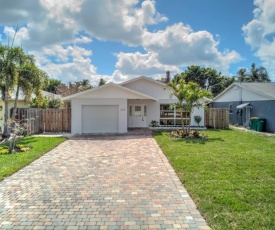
50, 22
61, 54
260, 32
16, 37
141, 64
19, 12
54, 31
131, 65
180, 45
124, 22
67, 63
82, 39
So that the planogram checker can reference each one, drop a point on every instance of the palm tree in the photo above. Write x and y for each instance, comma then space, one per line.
258, 74
242, 75
30, 80
255, 75
17, 69
9, 62
189, 96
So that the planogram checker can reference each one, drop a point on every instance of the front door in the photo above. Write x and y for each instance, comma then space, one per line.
137, 115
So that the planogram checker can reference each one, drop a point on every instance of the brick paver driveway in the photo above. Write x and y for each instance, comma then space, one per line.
107, 182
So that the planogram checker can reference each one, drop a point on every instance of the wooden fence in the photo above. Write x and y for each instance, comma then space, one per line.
45, 120
217, 118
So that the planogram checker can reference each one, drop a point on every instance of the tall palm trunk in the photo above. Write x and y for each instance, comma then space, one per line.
15, 103
186, 128
182, 121
189, 122
6, 133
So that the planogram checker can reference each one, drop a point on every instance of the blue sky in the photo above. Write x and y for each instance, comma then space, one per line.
121, 40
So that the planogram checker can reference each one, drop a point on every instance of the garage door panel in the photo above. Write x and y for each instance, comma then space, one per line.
100, 118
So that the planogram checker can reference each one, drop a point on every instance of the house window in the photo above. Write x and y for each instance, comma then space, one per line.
145, 111
170, 116
137, 110
230, 108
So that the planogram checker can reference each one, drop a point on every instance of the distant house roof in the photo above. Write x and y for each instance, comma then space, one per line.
21, 96
48, 94
265, 89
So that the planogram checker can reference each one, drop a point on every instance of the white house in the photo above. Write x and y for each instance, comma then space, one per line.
113, 108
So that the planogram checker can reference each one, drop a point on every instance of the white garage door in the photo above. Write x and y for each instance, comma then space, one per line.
99, 118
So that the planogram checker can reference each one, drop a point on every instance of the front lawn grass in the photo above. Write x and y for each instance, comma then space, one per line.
10, 163
230, 176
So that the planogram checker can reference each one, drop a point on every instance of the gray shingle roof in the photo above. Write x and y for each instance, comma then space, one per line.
266, 89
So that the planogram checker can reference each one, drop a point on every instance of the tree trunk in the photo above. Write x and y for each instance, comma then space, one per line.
189, 122
6, 133
15, 103
182, 122
186, 128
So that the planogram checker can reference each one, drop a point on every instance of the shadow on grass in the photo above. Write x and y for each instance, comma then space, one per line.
27, 140
189, 141
196, 141
216, 130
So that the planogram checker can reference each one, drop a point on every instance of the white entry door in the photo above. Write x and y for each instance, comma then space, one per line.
137, 115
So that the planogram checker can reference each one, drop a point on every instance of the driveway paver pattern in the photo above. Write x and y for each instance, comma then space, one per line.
105, 182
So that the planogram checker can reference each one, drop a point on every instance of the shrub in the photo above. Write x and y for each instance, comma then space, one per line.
154, 123
45, 103
197, 119
4, 150
182, 134
21, 148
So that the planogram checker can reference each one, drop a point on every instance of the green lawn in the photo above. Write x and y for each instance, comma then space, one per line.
10, 163
230, 176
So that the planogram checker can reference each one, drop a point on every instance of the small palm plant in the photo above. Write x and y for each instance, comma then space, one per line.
197, 119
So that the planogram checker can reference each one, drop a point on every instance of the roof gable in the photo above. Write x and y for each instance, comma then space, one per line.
266, 90
143, 78
150, 87
110, 90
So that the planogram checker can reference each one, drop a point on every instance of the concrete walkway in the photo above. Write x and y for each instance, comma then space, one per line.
105, 182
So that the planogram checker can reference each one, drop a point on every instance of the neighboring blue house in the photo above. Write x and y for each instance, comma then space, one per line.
246, 100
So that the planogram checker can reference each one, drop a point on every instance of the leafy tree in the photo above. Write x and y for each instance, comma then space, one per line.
101, 82
30, 80
51, 85
39, 102
85, 84
189, 96
55, 103
255, 75
73, 87
46, 103
206, 78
